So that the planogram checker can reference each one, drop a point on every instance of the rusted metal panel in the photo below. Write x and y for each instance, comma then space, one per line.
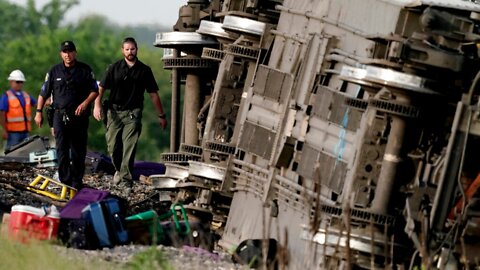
257, 140
286, 86
260, 82
322, 103
272, 84
332, 171
309, 158
343, 116
329, 105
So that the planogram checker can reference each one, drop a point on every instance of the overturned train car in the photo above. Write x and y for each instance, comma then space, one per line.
347, 131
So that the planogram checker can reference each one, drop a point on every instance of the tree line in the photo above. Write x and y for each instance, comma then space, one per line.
30, 38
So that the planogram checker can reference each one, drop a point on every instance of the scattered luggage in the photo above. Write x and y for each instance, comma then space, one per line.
115, 214
96, 162
44, 159
77, 233
93, 214
146, 168
93, 219
73, 230
73, 209
107, 220
27, 222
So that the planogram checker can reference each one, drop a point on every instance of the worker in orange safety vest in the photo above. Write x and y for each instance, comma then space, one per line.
15, 110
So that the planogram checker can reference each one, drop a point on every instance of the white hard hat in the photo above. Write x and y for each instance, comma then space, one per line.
16, 75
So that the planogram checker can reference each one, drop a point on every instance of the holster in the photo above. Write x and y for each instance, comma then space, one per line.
50, 111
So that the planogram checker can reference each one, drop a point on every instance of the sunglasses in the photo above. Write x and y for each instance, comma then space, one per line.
19, 82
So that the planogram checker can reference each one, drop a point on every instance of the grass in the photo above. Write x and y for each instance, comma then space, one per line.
151, 258
44, 255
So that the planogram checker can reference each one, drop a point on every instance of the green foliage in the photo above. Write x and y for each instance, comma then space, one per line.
41, 255
53, 11
157, 137
16, 21
149, 259
13, 21
30, 39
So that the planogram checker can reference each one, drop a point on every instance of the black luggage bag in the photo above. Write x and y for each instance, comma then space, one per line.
96, 162
108, 222
73, 230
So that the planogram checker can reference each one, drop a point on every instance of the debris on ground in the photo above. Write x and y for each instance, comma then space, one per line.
14, 181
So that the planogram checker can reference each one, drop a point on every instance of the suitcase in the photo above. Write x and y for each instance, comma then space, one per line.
146, 168
77, 233
93, 213
73, 209
107, 222
74, 231
116, 220
96, 162
23, 149
44, 159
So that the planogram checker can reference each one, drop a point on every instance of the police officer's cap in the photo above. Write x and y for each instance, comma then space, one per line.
67, 46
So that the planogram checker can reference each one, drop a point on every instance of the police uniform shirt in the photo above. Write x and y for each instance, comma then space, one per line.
70, 86
127, 84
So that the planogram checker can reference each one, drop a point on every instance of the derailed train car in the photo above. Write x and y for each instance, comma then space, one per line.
346, 130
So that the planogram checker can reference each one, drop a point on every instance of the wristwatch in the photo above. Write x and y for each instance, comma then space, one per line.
39, 110
161, 115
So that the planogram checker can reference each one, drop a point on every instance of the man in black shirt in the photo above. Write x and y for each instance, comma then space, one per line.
73, 87
127, 80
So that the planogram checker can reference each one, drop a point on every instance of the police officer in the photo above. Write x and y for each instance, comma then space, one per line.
73, 87
15, 110
127, 80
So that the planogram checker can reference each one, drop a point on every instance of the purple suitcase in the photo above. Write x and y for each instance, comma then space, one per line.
147, 168
73, 209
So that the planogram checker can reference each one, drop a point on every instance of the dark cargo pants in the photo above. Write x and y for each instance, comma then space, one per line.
71, 142
123, 130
